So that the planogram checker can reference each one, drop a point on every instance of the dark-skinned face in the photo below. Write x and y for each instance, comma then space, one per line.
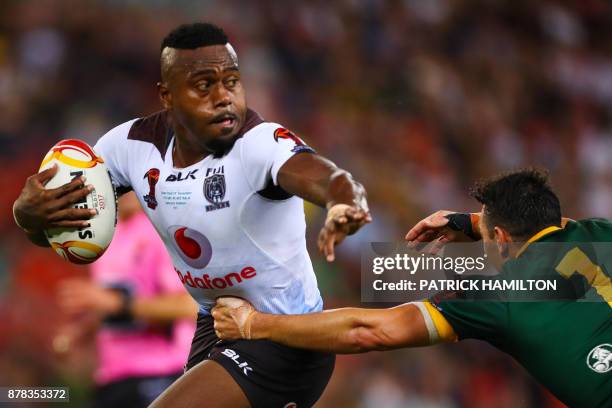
201, 89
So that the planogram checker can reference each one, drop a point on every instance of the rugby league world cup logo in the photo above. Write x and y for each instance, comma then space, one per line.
152, 177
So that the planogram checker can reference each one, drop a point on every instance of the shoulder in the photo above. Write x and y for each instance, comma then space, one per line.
592, 224
116, 134
272, 131
260, 137
589, 229
259, 131
154, 129
265, 129
272, 136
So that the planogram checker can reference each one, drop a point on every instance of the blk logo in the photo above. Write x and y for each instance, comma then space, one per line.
235, 357
180, 177
192, 246
152, 177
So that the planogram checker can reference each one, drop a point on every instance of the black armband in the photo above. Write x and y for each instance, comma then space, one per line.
462, 222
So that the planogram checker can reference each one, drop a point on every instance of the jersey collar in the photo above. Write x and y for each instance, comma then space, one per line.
537, 236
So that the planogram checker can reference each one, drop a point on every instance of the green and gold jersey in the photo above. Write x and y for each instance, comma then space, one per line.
565, 344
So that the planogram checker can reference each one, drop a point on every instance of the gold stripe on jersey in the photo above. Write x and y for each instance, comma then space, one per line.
537, 236
444, 330
576, 261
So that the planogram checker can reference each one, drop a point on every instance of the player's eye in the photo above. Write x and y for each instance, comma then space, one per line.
231, 82
203, 85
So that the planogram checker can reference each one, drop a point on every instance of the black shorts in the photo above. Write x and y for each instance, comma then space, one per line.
270, 374
136, 392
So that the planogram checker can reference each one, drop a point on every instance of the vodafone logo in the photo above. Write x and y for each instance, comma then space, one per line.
192, 246
221, 282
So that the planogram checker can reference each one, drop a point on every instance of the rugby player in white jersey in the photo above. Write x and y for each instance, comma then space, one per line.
224, 189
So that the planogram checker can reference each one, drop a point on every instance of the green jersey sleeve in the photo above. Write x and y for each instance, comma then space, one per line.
471, 317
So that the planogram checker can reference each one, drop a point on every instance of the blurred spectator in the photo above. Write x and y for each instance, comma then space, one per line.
133, 304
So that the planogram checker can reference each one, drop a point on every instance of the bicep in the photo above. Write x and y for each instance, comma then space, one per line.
307, 176
266, 150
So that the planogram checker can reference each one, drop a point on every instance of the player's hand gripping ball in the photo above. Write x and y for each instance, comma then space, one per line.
76, 158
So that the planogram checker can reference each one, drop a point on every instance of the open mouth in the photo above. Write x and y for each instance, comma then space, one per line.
224, 120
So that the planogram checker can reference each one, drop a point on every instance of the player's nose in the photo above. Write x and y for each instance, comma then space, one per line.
221, 96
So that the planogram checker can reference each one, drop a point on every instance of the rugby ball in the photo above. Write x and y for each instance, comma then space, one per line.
76, 158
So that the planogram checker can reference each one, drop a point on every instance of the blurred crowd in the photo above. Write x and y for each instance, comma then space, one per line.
418, 99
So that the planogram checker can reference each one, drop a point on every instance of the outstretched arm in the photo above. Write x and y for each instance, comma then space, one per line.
445, 226
319, 181
348, 330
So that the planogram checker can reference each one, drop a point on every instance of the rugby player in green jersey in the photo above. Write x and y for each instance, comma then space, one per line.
565, 344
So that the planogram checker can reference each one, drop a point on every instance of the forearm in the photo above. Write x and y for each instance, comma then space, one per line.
343, 189
37, 237
319, 181
331, 331
349, 330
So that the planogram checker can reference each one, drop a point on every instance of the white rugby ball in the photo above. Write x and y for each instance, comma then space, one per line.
76, 158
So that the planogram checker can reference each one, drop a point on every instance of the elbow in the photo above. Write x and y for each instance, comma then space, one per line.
341, 179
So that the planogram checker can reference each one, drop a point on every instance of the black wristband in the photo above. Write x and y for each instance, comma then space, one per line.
461, 222
124, 315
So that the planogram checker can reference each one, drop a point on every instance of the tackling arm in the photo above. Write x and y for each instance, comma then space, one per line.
442, 227
348, 330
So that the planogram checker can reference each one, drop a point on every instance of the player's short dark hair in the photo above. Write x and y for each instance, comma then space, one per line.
522, 202
195, 35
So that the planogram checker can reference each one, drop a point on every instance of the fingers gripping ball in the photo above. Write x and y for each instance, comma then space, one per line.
76, 158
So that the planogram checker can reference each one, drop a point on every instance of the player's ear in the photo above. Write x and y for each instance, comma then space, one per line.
164, 95
503, 240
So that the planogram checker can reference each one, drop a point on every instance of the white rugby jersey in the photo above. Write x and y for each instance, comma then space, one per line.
229, 228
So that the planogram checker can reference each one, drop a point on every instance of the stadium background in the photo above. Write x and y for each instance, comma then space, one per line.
417, 98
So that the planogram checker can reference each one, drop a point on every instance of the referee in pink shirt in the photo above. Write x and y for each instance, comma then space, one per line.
144, 318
